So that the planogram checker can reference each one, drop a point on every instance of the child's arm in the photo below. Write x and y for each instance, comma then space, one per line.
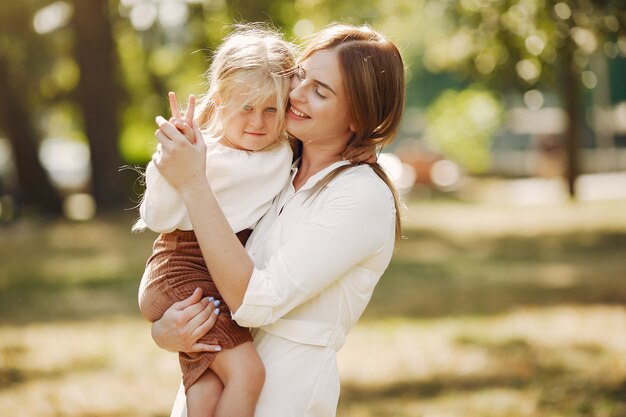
162, 208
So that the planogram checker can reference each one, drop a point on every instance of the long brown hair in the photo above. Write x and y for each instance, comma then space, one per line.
373, 78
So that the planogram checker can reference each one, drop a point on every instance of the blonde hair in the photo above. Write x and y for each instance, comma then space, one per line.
252, 56
373, 78
257, 58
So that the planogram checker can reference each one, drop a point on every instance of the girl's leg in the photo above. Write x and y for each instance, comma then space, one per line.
242, 372
203, 395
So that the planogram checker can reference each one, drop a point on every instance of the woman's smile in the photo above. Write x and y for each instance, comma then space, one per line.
293, 110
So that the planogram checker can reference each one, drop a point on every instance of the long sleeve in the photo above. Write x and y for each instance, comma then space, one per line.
162, 208
354, 222
244, 183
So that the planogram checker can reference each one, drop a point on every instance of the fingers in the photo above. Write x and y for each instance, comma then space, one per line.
203, 322
197, 134
189, 301
170, 131
365, 154
371, 160
164, 141
174, 105
191, 108
201, 347
355, 155
175, 109
186, 130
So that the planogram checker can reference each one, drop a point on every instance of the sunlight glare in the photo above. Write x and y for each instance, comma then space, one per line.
173, 13
67, 161
589, 79
52, 17
303, 28
402, 175
562, 10
445, 174
143, 16
585, 39
535, 45
528, 70
79, 206
533, 99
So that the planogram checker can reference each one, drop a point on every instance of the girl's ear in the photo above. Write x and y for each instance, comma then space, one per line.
352, 127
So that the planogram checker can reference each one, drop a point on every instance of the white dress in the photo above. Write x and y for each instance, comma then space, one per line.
317, 261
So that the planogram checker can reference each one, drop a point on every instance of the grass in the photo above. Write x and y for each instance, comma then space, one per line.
485, 311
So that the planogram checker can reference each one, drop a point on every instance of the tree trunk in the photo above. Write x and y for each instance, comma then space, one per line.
571, 104
98, 98
34, 186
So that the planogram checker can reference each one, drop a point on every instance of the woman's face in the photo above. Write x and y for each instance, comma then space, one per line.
318, 110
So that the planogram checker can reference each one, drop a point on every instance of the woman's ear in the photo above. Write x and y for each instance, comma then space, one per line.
352, 127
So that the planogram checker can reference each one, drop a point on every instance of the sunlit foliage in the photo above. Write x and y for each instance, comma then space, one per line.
461, 124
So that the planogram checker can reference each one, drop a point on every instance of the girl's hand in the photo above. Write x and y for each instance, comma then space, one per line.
183, 124
181, 161
184, 323
365, 153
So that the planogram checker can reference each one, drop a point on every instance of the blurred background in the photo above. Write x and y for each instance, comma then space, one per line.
506, 297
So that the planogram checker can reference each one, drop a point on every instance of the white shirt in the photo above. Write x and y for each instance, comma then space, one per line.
244, 184
317, 261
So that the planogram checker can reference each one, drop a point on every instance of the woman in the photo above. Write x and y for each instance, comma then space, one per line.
314, 259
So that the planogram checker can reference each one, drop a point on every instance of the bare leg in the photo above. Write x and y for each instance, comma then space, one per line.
242, 372
204, 395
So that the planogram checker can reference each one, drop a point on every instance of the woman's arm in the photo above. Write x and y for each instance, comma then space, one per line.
352, 230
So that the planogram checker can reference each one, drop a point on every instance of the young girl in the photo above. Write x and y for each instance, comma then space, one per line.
242, 117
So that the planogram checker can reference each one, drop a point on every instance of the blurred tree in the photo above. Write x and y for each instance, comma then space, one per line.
461, 125
528, 44
98, 96
21, 59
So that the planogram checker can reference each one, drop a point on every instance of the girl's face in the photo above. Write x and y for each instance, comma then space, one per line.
249, 127
318, 110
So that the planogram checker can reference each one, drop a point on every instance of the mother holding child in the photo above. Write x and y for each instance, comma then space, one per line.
323, 233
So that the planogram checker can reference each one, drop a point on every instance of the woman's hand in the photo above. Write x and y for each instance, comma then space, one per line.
181, 159
184, 323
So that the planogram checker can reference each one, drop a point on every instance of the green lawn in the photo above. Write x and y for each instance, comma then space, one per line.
485, 311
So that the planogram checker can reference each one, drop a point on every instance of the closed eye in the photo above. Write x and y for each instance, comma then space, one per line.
316, 90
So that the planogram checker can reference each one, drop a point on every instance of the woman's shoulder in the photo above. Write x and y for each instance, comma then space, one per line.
360, 177
361, 183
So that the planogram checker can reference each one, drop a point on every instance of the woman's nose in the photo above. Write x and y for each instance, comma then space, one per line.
296, 90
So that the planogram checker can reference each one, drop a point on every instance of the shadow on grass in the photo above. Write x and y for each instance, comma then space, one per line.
32, 301
76, 271
12, 376
560, 388
559, 395
433, 275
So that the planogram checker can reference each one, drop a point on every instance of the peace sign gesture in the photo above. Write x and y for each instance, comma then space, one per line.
181, 154
183, 124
